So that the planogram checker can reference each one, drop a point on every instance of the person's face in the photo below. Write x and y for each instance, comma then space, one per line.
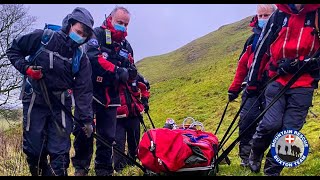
264, 13
298, 6
77, 28
121, 18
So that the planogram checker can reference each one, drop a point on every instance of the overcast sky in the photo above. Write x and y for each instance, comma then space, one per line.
155, 29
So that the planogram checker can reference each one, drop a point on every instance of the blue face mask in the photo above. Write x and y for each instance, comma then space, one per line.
119, 27
262, 22
76, 37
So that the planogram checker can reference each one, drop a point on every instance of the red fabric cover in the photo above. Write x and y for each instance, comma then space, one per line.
172, 148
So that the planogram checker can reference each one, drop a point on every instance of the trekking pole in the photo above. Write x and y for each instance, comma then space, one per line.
153, 126
233, 121
235, 128
262, 93
283, 90
43, 87
106, 143
313, 114
223, 114
150, 120
95, 135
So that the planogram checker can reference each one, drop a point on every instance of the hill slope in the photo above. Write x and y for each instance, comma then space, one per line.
193, 81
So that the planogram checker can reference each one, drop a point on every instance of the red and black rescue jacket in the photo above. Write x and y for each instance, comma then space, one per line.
104, 60
287, 35
246, 58
131, 94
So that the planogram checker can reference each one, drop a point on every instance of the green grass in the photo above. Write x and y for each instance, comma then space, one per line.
7, 124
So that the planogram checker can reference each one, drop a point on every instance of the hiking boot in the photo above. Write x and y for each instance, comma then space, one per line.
244, 163
255, 162
80, 172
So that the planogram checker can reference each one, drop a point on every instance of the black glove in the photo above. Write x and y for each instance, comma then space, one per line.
289, 66
122, 74
232, 95
145, 103
146, 82
132, 72
123, 61
313, 64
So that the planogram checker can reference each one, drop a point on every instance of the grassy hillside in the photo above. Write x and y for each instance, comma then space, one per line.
193, 81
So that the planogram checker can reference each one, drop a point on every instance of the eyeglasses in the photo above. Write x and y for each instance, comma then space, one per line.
263, 15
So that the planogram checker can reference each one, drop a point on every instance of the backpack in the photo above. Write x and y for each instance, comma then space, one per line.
48, 33
49, 30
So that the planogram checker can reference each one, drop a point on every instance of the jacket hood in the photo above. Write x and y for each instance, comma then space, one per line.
254, 24
307, 8
79, 14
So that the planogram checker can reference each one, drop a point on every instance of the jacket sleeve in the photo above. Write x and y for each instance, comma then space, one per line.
241, 72
142, 79
22, 47
144, 91
94, 51
246, 44
83, 91
129, 48
268, 35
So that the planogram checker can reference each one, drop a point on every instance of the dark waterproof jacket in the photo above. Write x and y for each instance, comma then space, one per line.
57, 71
104, 59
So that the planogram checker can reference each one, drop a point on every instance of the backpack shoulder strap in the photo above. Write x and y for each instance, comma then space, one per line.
45, 39
47, 36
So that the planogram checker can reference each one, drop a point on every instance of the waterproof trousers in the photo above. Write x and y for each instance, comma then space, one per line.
83, 150
42, 138
106, 119
289, 112
128, 131
251, 110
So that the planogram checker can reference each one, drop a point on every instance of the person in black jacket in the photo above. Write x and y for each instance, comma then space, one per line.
46, 127
108, 52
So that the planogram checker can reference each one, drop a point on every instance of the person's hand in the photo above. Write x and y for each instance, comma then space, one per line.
122, 74
145, 103
34, 72
132, 72
232, 95
288, 66
88, 129
313, 64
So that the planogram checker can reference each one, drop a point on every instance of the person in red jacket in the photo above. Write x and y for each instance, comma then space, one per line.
253, 104
134, 97
290, 36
